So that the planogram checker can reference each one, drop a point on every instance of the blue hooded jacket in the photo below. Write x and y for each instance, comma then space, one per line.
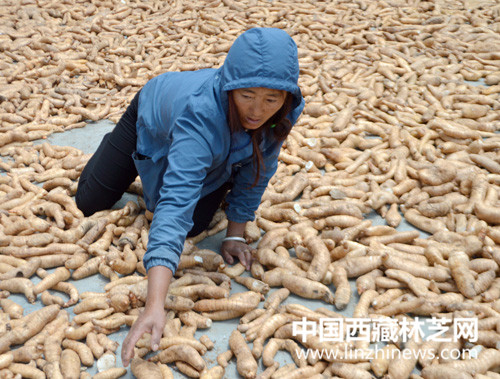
184, 146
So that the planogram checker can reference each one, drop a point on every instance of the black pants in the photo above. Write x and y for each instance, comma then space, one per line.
111, 170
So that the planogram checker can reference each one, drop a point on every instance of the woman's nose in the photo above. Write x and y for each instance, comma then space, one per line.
256, 109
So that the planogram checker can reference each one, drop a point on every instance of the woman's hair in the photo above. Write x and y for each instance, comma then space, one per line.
279, 131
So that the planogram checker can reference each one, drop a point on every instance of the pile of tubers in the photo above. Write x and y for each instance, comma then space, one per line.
402, 117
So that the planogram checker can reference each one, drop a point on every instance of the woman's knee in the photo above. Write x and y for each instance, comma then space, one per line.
83, 202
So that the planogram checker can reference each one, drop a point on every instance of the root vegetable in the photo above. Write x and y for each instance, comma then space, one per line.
205, 340
484, 281
91, 304
76, 261
380, 363
459, 266
487, 213
487, 359
252, 231
200, 291
276, 298
243, 303
342, 287
305, 372
399, 237
36, 240
165, 371
14, 310
111, 373
253, 284
84, 317
217, 277
361, 309
70, 290
19, 285
70, 364
119, 302
6, 359
281, 371
187, 369
66, 202
267, 329
167, 342
88, 268
267, 257
347, 370
83, 351
400, 307
144, 369
321, 258
106, 271
194, 319
184, 353
431, 273
115, 321
29, 252
130, 280
419, 286
280, 214
483, 161
276, 344
78, 333
257, 270
223, 358
493, 293
307, 288
273, 238
386, 298
402, 366
93, 344
107, 343
424, 223
367, 281
216, 372
245, 362
126, 263
178, 303
26, 371
392, 216
252, 315
61, 274
274, 277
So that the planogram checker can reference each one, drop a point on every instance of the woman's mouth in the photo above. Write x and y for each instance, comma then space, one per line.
253, 121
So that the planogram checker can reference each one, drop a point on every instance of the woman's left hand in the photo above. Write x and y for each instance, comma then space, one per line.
238, 249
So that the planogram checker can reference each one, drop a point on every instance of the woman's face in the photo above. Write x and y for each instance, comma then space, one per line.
257, 104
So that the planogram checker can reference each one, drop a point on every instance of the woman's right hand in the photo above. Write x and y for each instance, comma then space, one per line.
151, 320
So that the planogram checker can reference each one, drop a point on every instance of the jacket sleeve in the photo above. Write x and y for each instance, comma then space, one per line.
189, 159
243, 200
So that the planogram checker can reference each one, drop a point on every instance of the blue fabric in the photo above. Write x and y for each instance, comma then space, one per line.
184, 146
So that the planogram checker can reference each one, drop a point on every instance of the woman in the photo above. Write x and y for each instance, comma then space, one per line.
192, 136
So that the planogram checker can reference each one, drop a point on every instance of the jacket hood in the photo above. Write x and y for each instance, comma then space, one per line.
263, 57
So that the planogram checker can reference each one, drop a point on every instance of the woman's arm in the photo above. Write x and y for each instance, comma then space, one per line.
235, 229
189, 158
152, 319
244, 199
